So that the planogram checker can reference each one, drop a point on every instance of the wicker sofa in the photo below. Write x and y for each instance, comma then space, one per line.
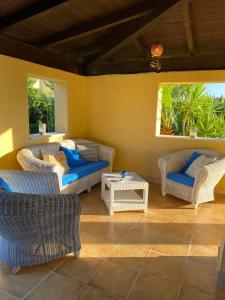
30, 159
202, 189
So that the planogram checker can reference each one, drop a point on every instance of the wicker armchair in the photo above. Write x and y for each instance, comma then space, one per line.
35, 229
204, 183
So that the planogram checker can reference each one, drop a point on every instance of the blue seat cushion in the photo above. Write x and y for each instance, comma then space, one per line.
73, 157
4, 186
191, 159
76, 173
181, 178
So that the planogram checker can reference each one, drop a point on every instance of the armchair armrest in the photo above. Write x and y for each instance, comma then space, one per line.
32, 182
31, 163
207, 178
171, 163
106, 153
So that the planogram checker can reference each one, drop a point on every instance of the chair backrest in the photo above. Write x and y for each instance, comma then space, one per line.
30, 217
36, 150
210, 153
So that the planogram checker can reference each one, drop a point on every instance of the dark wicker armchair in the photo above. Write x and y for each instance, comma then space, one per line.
35, 229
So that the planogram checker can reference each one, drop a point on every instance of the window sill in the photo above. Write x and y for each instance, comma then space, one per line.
200, 139
47, 135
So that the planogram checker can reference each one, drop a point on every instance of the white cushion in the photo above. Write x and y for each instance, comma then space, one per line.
88, 151
198, 163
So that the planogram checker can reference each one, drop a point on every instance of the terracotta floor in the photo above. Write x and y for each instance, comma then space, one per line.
167, 254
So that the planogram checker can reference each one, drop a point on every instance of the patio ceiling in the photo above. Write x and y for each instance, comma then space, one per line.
94, 37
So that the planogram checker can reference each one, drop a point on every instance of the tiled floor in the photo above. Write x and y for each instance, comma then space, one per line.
167, 254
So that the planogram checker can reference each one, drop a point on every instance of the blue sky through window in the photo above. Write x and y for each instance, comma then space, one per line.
216, 89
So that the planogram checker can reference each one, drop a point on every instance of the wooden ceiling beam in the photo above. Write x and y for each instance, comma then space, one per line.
202, 60
95, 26
131, 31
185, 8
12, 47
28, 12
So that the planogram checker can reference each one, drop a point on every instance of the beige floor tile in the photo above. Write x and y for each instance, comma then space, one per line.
178, 216
55, 287
114, 279
178, 231
5, 296
91, 223
97, 245
114, 231
91, 293
165, 266
201, 274
170, 246
80, 270
190, 293
149, 287
202, 237
129, 256
20, 284
199, 251
141, 236
126, 218
54, 263
169, 225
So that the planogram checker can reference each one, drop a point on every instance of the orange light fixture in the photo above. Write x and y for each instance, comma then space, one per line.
156, 49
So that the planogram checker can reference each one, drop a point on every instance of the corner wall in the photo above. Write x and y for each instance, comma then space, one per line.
122, 113
14, 122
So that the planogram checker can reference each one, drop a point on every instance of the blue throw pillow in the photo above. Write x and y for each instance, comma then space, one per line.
191, 159
73, 157
4, 186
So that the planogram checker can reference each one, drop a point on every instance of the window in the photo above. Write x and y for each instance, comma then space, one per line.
47, 105
192, 110
41, 104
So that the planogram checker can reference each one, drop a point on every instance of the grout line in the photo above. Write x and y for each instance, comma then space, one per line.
185, 265
44, 278
36, 285
133, 284
8, 294
86, 286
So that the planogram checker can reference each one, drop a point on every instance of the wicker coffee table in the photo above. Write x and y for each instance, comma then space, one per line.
119, 193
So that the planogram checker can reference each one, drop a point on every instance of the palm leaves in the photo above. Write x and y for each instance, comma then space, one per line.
189, 105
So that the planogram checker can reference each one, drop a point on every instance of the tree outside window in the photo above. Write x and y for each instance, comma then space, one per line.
187, 106
41, 104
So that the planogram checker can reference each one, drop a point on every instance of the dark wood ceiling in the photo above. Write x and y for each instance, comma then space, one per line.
94, 37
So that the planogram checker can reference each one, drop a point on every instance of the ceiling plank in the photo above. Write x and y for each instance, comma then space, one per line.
185, 8
143, 47
131, 30
28, 12
11, 47
95, 26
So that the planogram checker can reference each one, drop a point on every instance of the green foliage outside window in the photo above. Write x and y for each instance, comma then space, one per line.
41, 104
186, 106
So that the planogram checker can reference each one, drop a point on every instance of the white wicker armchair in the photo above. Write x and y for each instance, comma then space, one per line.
205, 181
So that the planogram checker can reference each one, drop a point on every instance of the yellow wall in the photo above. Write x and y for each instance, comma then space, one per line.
14, 128
118, 110
122, 113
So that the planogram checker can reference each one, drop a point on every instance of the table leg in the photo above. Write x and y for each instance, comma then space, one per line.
102, 188
111, 202
145, 198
